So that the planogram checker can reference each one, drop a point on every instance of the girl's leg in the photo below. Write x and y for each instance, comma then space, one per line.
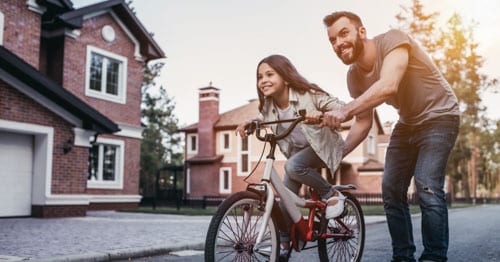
301, 168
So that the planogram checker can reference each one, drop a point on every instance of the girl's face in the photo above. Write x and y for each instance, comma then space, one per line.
269, 82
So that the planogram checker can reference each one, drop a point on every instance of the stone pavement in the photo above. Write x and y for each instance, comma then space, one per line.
104, 236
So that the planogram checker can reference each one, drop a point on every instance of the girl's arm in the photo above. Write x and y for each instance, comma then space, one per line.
240, 129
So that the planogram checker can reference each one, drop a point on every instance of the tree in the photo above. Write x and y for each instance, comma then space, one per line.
454, 51
160, 145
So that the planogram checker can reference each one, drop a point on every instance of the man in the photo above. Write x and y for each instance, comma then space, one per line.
393, 68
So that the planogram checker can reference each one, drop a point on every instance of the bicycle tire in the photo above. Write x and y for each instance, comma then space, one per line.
344, 248
234, 228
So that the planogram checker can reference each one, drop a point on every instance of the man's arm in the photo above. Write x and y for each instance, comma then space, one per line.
359, 130
393, 69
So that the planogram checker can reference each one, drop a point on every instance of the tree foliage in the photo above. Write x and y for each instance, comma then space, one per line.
160, 145
473, 163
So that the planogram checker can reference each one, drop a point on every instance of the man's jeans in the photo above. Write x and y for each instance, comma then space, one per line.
421, 152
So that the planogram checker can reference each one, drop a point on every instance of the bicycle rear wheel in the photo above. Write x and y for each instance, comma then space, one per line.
350, 228
234, 228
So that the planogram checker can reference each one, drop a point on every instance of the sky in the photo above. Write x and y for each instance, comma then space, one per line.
221, 42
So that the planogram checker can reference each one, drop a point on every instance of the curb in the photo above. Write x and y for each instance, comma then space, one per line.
122, 254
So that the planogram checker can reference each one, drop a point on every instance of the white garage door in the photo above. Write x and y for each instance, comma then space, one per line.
16, 169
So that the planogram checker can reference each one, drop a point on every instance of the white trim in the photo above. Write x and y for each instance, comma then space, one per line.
221, 141
229, 159
130, 131
188, 181
209, 98
122, 77
1, 27
222, 190
120, 155
115, 198
359, 159
67, 199
371, 173
189, 145
43, 145
75, 33
33, 6
209, 91
82, 137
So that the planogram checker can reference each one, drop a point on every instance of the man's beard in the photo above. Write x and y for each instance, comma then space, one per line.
356, 52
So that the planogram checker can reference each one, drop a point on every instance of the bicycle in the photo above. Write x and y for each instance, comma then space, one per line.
245, 226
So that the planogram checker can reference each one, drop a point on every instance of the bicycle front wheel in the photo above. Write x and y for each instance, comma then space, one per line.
348, 231
234, 228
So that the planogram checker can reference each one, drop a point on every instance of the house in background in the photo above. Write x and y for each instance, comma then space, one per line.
218, 162
70, 95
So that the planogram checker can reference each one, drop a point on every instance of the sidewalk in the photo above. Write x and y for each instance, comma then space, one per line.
104, 236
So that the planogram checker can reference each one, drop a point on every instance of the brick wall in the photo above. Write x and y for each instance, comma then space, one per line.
21, 30
75, 52
69, 171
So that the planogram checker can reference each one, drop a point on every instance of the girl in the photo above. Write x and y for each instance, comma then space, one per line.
282, 93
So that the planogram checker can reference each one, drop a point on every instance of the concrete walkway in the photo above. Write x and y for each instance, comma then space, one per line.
104, 236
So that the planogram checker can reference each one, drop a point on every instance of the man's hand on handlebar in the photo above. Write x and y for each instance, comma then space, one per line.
313, 117
333, 119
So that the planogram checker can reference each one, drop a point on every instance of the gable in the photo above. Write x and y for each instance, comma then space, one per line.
74, 20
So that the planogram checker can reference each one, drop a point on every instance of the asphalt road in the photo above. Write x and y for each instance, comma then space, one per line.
474, 236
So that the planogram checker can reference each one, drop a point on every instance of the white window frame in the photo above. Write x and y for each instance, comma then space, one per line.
221, 143
1, 27
371, 148
189, 143
239, 164
120, 159
122, 78
223, 190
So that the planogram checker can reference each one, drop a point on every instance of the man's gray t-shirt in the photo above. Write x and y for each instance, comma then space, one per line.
423, 92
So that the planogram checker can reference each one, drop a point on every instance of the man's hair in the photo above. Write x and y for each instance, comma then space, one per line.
333, 17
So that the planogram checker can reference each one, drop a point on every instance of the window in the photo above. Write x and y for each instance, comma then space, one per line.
244, 157
106, 164
188, 181
192, 144
1, 28
106, 75
225, 141
371, 145
225, 180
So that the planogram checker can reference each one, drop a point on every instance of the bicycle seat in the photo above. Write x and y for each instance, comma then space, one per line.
344, 187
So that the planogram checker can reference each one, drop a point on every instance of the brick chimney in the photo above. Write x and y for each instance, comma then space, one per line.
208, 116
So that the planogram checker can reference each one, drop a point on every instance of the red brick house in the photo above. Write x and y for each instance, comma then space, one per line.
70, 95
218, 161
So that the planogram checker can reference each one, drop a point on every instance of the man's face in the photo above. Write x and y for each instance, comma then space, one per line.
346, 40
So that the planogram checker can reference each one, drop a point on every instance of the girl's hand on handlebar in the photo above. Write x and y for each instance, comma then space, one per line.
313, 117
246, 128
240, 129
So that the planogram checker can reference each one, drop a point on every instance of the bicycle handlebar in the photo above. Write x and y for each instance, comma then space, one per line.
256, 125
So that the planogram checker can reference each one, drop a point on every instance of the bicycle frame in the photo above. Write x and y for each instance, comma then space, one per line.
289, 199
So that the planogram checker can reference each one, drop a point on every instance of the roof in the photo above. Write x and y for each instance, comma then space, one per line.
231, 118
13, 67
58, 17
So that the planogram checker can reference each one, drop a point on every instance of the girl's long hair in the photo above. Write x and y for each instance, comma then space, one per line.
287, 71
